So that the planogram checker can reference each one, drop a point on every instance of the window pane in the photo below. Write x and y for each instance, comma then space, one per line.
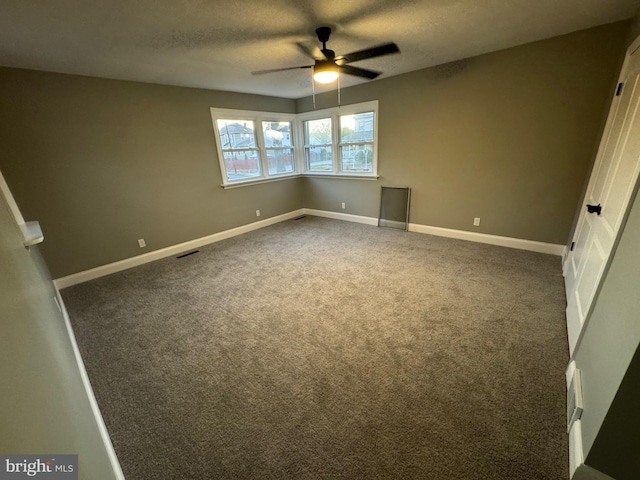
318, 132
236, 134
277, 134
356, 158
241, 164
280, 161
356, 128
319, 159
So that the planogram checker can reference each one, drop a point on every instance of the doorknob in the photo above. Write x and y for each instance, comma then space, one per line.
594, 209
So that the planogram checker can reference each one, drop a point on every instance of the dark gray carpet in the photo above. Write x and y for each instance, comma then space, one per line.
324, 349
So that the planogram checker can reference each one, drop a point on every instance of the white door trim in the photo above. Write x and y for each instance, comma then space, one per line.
595, 240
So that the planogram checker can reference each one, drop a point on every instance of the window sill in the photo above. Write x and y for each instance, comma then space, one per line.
257, 181
342, 176
299, 175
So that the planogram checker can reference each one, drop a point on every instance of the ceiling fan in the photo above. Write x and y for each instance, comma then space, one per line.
326, 69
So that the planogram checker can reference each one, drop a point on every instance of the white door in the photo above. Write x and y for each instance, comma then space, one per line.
610, 187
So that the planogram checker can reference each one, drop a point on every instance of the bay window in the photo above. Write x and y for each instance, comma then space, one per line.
262, 146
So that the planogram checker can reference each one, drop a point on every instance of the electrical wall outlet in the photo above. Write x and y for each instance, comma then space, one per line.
257, 213
344, 205
142, 243
476, 222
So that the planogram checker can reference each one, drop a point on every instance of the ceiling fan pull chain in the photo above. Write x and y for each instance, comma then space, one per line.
313, 87
338, 90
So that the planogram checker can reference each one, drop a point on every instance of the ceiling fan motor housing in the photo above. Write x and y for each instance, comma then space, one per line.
323, 34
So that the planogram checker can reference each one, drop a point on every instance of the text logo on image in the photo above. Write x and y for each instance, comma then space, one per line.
49, 467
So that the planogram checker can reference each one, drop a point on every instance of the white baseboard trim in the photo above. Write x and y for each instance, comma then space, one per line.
102, 428
138, 260
101, 271
575, 448
519, 243
341, 216
578, 470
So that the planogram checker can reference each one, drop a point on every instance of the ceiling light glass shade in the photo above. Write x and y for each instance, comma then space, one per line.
325, 72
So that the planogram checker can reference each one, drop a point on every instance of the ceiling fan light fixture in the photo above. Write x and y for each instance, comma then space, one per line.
325, 72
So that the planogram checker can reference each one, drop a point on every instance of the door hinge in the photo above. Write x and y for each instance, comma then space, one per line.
573, 244
619, 90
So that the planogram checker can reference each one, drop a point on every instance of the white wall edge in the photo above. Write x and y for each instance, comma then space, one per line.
519, 243
569, 372
11, 202
102, 428
341, 216
138, 260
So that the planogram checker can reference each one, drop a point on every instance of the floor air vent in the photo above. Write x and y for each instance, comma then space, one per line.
394, 207
187, 254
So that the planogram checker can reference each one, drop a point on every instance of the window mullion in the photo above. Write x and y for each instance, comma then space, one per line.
298, 145
262, 154
335, 148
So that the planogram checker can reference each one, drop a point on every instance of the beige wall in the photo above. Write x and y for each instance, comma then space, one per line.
507, 137
44, 407
101, 163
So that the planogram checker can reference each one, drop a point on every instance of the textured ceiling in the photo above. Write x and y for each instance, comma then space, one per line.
217, 44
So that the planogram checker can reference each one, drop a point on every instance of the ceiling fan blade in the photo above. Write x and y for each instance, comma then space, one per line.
308, 52
262, 72
358, 72
385, 49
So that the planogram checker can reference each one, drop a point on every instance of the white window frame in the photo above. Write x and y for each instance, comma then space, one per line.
334, 114
306, 146
344, 145
294, 145
298, 140
257, 118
